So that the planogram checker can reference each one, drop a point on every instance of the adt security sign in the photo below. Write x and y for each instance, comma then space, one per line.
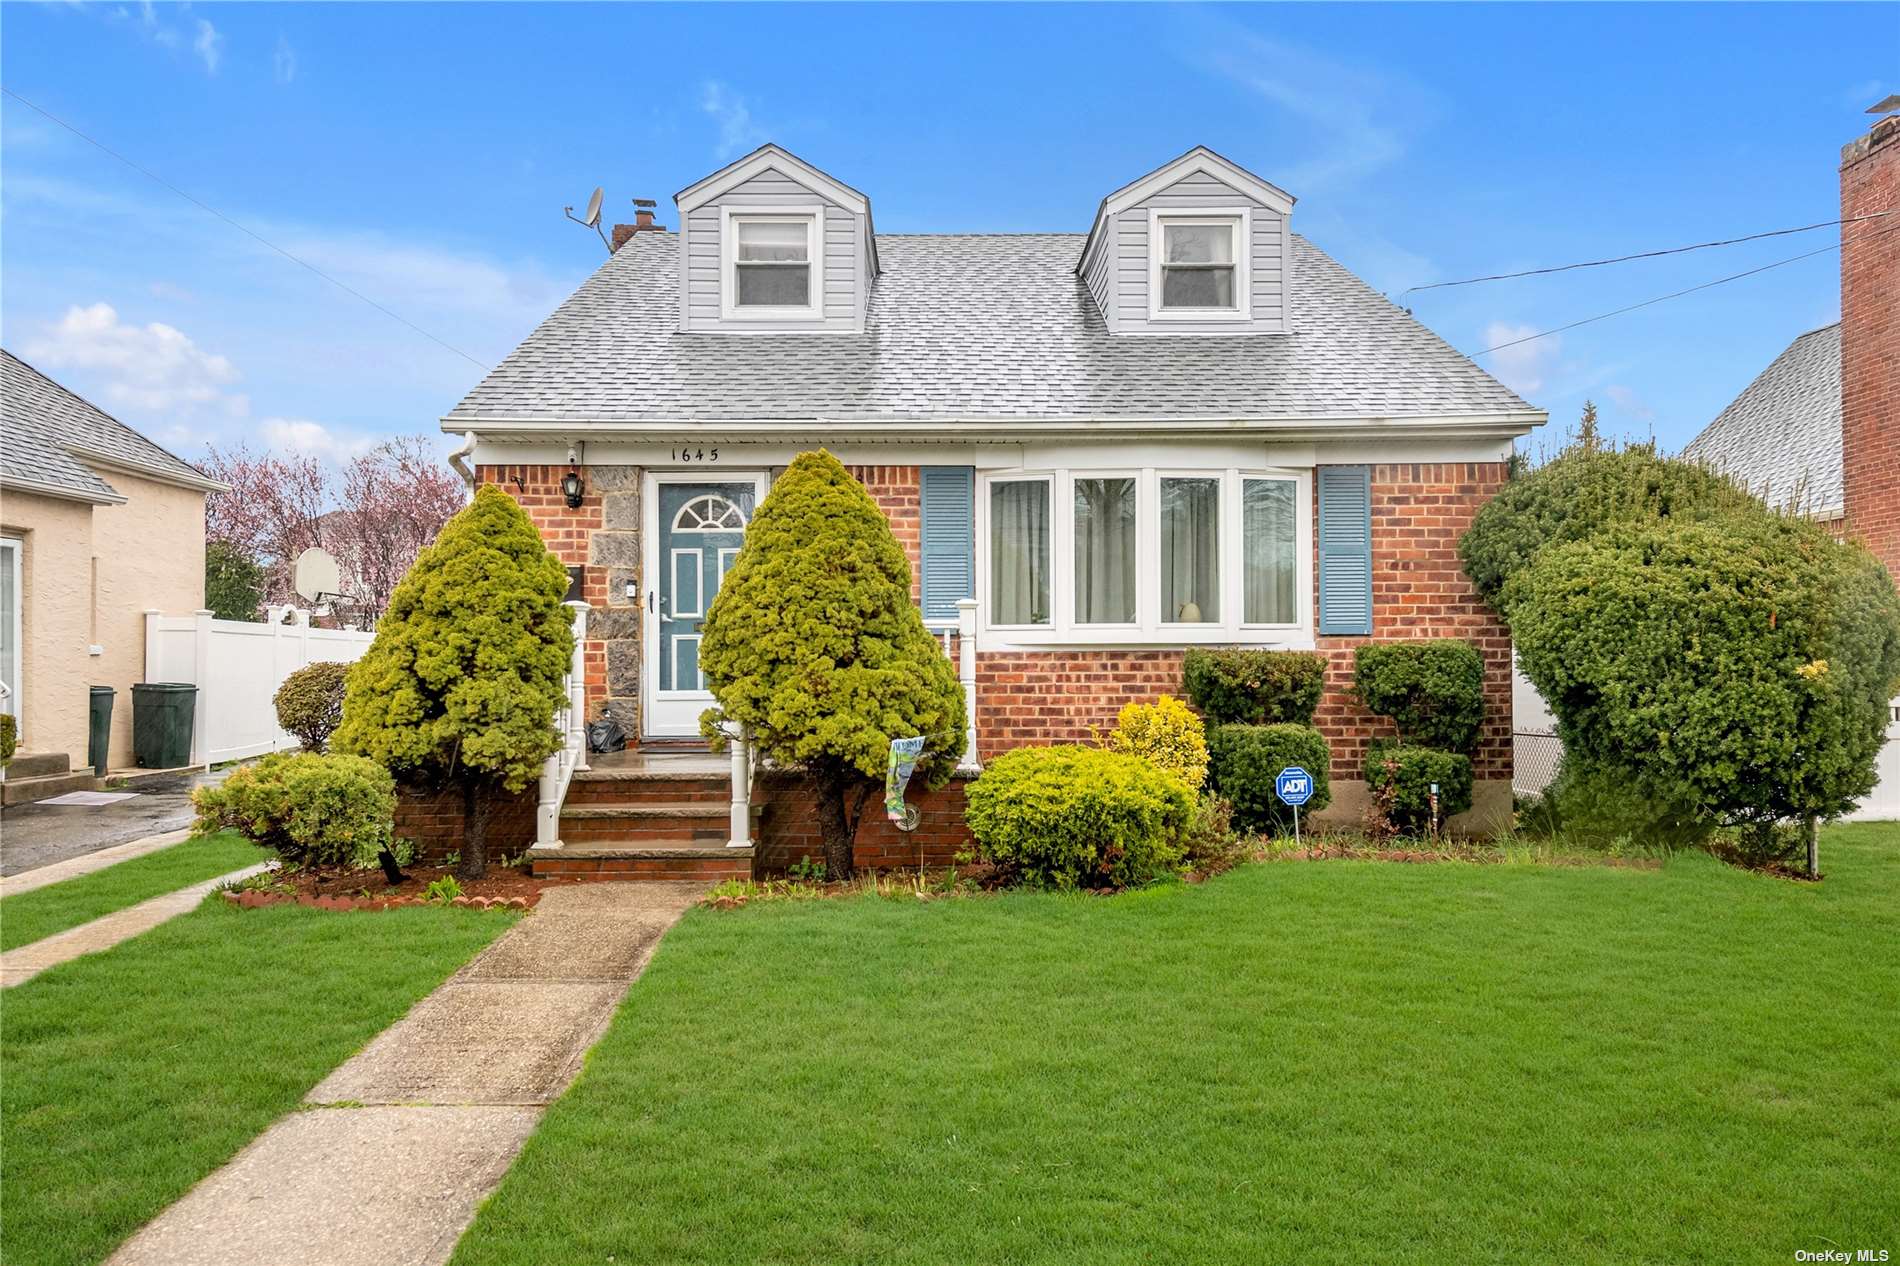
1294, 786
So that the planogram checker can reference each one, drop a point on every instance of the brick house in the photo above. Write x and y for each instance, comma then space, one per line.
1818, 431
1185, 425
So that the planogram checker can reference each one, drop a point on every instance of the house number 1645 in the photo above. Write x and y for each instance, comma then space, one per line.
695, 454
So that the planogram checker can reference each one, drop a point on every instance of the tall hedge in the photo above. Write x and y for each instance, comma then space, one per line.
1247, 686
461, 686
814, 645
1432, 688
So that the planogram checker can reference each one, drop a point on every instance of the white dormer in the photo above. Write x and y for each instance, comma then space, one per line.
1198, 246
772, 245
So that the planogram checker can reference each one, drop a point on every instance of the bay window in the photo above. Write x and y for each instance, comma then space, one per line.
1156, 556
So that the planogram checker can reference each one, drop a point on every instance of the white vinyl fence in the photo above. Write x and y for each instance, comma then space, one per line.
237, 667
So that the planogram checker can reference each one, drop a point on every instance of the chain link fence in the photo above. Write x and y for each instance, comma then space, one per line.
1534, 757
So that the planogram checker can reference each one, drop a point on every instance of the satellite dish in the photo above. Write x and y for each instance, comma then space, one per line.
316, 576
593, 209
591, 219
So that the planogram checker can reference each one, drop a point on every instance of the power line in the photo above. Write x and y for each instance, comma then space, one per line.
211, 210
1624, 259
1679, 293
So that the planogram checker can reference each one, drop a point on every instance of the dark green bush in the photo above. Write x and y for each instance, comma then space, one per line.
1409, 771
1432, 689
9, 736
310, 703
1243, 761
1254, 687
1210, 841
313, 810
1580, 492
1734, 671
1068, 817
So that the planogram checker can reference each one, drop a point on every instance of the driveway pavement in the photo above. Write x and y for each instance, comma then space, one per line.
35, 835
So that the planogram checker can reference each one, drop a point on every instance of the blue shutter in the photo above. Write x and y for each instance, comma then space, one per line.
948, 539
1345, 549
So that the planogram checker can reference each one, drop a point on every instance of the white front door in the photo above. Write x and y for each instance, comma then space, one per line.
695, 526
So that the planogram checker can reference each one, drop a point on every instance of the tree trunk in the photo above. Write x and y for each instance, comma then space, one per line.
476, 808
836, 824
1814, 848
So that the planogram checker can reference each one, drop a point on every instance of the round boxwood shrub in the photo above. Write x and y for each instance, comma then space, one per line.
1407, 773
9, 736
323, 810
1433, 689
1069, 817
1584, 490
1166, 734
310, 703
1244, 760
1254, 687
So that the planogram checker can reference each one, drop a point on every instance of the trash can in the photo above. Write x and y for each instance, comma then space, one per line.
161, 723
99, 729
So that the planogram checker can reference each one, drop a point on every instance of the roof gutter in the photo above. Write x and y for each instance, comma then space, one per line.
61, 491
179, 479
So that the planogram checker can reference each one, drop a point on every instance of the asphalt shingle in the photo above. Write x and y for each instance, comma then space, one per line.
1782, 436
43, 428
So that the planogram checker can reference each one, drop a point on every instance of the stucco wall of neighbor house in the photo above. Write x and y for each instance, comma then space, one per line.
150, 556
55, 619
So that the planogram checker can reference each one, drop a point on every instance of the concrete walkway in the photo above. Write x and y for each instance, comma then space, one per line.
404, 1141
17, 966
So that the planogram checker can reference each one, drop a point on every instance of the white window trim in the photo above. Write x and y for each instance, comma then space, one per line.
1150, 630
813, 217
1240, 221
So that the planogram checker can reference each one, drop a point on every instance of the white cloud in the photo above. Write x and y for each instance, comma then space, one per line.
1627, 401
737, 131
1526, 367
283, 62
300, 435
209, 45
153, 367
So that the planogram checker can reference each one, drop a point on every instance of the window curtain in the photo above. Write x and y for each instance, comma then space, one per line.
1190, 551
1267, 543
1019, 552
1105, 551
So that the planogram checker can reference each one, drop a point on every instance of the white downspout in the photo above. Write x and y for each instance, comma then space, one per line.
459, 460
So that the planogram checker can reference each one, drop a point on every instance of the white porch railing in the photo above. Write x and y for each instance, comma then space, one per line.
559, 769
737, 745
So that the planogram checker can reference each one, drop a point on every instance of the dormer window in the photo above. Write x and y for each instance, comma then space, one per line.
1199, 266
770, 261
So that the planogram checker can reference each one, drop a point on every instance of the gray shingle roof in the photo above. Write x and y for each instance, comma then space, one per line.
1782, 436
47, 430
975, 326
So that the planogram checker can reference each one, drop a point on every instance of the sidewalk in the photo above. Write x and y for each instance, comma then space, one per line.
404, 1141
36, 835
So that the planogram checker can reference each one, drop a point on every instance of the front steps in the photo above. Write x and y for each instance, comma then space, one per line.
637, 815
34, 776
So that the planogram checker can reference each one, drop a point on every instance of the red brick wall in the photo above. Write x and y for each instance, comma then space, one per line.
1870, 341
433, 823
788, 827
896, 491
1034, 698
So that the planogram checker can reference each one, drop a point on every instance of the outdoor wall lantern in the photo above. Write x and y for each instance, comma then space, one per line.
571, 485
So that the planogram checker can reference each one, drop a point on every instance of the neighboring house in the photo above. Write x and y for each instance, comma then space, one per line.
97, 526
1781, 438
1185, 425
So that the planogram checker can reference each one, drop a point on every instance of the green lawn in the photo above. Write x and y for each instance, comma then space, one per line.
1297, 1062
127, 1076
71, 902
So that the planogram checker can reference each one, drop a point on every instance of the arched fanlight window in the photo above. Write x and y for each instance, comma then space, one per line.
709, 513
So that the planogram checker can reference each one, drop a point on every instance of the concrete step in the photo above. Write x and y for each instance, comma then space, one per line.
650, 859
27, 790
706, 821
38, 764
647, 788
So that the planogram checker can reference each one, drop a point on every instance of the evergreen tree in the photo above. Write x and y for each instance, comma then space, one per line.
461, 686
234, 582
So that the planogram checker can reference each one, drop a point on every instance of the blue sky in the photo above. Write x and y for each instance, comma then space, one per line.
423, 153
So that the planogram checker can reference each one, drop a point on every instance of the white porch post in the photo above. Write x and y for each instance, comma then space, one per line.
558, 769
577, 689
741, 829
966, 673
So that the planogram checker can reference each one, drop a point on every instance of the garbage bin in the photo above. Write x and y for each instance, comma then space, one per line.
99, 729
161, 723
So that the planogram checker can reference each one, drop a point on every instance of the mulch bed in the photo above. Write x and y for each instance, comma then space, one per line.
503, 887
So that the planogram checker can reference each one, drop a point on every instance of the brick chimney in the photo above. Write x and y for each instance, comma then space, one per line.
1870, 335
642, 223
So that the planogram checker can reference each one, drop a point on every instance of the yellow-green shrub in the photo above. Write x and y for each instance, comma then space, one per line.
315, 809
1069, 817
1167, 735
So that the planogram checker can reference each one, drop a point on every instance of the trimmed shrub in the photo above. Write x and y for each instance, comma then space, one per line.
1582, 491
1408, 772
814, 646
1167, 735
1737, 670
1210, 843
1244, 760
1069, 817
9, 736
462, 684
312, 809
1254, 687
1432, 689
310, 703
